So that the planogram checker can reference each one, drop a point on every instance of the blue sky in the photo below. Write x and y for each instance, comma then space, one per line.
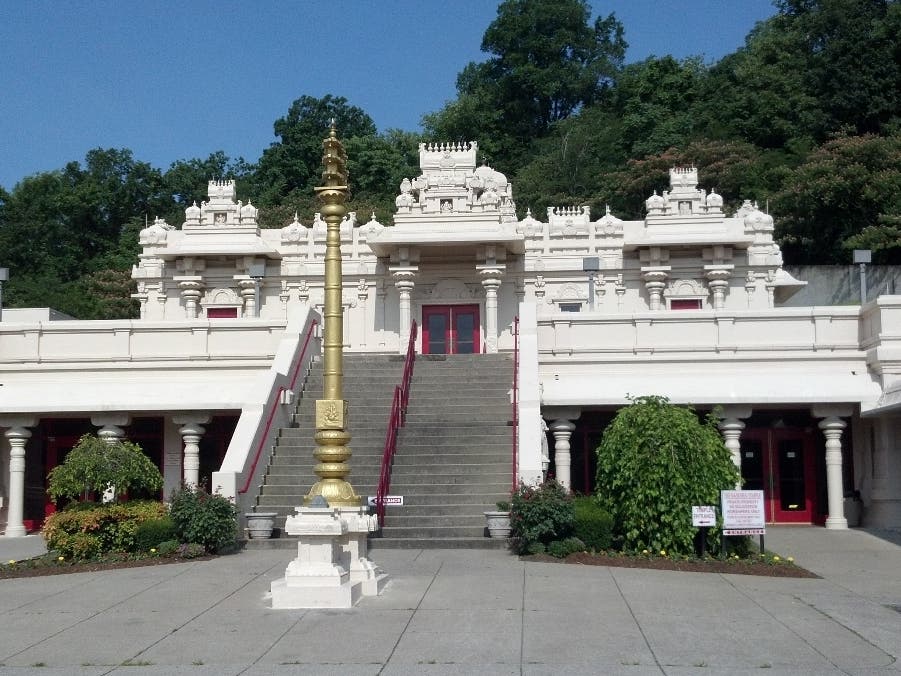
176, 80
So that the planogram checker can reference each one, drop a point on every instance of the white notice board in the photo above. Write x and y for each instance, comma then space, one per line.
743, 513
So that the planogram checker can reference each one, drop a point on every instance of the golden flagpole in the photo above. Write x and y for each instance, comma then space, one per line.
331, 436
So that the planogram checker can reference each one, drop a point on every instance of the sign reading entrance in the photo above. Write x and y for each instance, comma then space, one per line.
703, 516
389, 500
743, 513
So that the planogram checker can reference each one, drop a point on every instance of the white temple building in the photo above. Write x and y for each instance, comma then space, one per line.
686, 303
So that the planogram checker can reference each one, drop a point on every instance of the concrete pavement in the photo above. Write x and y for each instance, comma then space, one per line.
469, 612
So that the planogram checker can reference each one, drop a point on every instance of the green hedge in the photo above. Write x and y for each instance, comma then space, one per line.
90, 532
593, 524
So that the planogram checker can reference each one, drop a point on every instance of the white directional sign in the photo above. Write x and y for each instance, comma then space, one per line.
388, 500
703, 516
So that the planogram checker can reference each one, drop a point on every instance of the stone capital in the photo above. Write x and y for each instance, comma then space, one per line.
111, 420
23, 421
191, 418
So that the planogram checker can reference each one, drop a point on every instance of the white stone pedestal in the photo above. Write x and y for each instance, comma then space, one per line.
332, 568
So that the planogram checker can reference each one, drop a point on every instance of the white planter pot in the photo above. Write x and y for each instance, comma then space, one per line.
260, 524
498, 524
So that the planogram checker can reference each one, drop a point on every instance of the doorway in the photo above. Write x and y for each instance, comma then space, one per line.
450, 329
780, 462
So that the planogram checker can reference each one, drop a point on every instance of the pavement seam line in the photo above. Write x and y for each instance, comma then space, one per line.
274, 643
787, 627
635, 619
863, 638
98, 612
191, 619
410, 619
522, 620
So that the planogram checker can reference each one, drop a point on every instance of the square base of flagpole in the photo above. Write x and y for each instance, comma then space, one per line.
332, 568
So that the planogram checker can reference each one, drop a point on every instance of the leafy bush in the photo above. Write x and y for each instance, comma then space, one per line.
209, 520
540, 514
655, 461
593, 524
93, 465
190, 550
563, 548
151, 533
167, 548
89, 533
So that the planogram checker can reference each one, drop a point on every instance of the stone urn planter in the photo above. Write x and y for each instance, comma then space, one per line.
260, 524
499, 521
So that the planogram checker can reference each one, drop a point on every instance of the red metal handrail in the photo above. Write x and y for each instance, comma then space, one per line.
273, 407
515, 403
396, 420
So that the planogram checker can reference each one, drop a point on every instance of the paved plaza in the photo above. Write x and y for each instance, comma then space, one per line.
468, 612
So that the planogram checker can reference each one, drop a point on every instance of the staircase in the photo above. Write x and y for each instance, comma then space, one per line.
368, 387
453, 458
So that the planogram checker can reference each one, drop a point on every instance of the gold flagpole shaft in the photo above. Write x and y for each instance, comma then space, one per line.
331, 436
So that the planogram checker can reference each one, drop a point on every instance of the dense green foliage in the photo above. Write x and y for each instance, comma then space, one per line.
805, 116
88, 533
93, 466
208, 520
540, 515
655, 461
151, 533
592, 524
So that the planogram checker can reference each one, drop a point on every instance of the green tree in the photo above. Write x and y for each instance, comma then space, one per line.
845, 195
294, 162
655, 461
548, 60
93, 466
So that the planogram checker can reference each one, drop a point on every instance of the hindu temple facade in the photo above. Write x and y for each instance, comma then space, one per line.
686, 303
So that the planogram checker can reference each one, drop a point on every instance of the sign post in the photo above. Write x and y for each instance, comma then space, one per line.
703, 517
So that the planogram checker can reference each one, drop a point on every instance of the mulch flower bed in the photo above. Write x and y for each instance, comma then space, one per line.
45, 566
767, 566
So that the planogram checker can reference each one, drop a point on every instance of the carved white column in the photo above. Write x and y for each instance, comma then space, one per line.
491, 282
731, 429
655, 282
718, 282
190, 292
562, 430
832, 429
404, 284
248, 287
18, 436
191, 431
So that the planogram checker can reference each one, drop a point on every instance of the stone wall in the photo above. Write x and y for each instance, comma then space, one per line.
840, 284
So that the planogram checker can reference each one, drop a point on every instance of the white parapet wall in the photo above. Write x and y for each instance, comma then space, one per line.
784, 355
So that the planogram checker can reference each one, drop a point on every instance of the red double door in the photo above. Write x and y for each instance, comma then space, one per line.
450, 329
780, 462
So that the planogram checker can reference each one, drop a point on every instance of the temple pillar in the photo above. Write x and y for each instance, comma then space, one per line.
833, 427
191, 430
111, 433
655, 283
718, 283
731, 429
491, 283
18, 435
191, 287
403, 281
562, 430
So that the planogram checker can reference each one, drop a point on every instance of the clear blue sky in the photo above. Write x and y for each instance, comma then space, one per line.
176, 80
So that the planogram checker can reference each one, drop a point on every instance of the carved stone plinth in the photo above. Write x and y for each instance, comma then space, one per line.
332, 568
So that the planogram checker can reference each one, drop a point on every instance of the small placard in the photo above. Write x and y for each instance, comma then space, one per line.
743, 513
703, 516
393, 500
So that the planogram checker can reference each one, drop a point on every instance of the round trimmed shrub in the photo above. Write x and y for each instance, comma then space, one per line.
593, 524
151, 533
